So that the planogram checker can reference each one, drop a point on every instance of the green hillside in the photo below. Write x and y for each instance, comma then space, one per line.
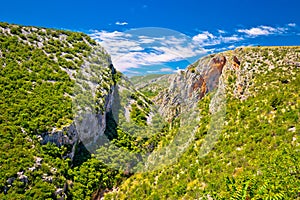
38, 67
257, 154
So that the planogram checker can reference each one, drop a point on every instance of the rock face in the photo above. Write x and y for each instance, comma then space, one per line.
71, 135
95, 86
236, 62
215, 68
67, 136
189, 86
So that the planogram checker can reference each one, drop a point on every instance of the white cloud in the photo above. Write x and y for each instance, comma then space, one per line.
262, 30
233, 38
291, 24
202, 37
254, 31
129, 51
104, 35
166, 69
145, 47
269, 28
152, 71
147, 40
282, 30
121, 23
208, 39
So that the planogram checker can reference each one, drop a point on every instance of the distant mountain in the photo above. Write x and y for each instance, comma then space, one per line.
151, 84
73, 127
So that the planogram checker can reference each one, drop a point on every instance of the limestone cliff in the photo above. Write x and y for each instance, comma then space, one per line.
187, 87
92, 100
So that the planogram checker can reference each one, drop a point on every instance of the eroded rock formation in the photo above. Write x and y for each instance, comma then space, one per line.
189, 86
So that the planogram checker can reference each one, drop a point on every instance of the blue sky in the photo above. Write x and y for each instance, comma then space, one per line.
185, 30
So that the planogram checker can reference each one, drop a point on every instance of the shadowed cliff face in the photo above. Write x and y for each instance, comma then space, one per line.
89, 121
189, 86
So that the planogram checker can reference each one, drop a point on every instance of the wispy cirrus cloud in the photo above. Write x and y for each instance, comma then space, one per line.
292, 24
233, 38
203, 37
131, 50
262, 31
121, 23
105, 35
166, 69
208, 39
138, 49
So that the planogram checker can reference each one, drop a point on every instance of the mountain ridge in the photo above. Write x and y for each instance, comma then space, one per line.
258, 144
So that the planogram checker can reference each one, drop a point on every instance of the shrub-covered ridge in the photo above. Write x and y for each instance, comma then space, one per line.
257, 153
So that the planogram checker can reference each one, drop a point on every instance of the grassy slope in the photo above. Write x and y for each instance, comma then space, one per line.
257, 154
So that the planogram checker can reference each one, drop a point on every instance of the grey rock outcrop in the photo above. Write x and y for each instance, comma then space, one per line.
189, 86
93, 99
